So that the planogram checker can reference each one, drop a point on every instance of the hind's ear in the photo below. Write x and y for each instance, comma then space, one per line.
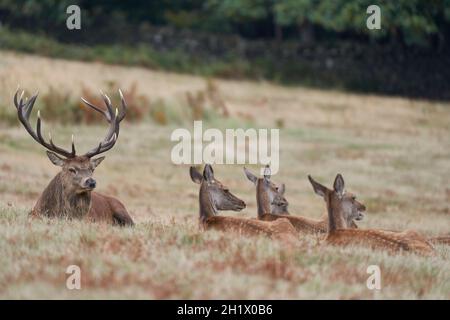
195, 175
250, 176
267, 173
55, 159
282, 189
208, 173
319, 189
339, 185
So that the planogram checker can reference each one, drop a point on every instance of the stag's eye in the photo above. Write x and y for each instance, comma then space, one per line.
73, 170
353, 198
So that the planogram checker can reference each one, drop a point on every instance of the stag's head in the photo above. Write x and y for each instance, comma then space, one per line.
76, 173
343, 203
267, 191
77, 170
219, 195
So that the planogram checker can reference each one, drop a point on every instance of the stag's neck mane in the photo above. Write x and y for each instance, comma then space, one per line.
262, 199
335, 219
56, 200
207, 208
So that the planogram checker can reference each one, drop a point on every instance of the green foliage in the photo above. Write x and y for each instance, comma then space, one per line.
242, 10
141, 55
414, 19
409, 20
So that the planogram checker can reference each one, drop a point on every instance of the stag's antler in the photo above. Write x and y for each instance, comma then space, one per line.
113, 118
25, 107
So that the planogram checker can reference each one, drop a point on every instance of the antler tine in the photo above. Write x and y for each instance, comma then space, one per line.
16, 103
107, 103
99, 110
51, 146
108, 113
114, 119
109, 144
73, 145
123, 112
113, 128
29, 105
23, 116
72, 153
23, 111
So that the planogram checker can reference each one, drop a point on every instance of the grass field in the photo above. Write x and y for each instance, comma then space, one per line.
393, 153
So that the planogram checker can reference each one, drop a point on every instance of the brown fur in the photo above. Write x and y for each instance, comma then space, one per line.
280, 230
69, 194
108, 209
300, 223
63, 198
339, 234
379, 239
57, 201
440, 240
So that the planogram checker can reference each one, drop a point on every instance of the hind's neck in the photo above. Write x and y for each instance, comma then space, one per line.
207, 208
335, 217
262, 199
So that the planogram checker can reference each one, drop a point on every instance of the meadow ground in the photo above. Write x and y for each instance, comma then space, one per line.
393, 153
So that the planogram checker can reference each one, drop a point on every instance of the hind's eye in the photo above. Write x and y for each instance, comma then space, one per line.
72, 170
354, 198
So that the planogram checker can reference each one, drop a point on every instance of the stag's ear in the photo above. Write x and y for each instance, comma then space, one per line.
95, 162
282, 189
319, 189
55, 159
250, 176
208, 173
339, 184
195, 175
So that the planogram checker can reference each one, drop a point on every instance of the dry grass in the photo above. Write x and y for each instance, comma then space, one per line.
394, 154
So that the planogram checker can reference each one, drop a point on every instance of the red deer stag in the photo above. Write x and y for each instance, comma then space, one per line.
214, 196
342, 205
70, 194
272, 205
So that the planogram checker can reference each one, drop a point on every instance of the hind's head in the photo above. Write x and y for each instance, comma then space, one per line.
269, 196
343, 204
215, 192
